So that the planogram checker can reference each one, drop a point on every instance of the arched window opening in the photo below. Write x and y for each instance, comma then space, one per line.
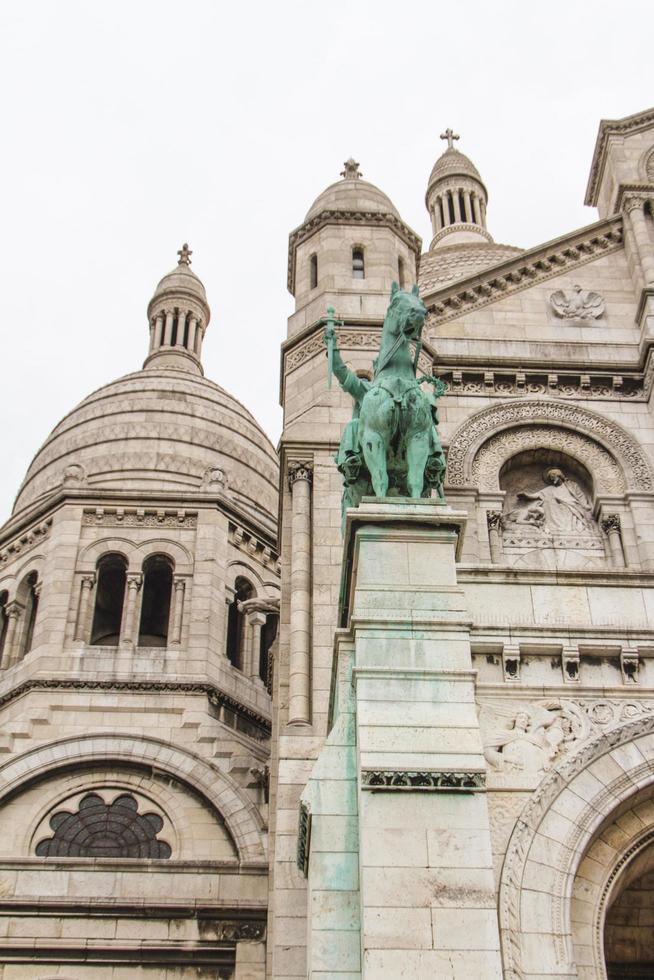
155, 605
268, 636
400, 273
462, 207
173, 336
473, 217
628, 935
31, 610
4, 621
358, 265
187, 325
313, 271
440, 211
450, 207
236, 622
109, 598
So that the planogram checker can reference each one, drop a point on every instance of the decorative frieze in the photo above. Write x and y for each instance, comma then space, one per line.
35, 535
138, 517
398, 779
303, 838
348, 339
503, 384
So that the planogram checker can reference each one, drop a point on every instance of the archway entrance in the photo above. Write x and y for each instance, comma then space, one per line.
629, 922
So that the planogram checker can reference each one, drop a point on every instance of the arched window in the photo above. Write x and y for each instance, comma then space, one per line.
4, 620
236, 622
109, 598
313, 271
358, 265
400, 273
440, 208
462, 207
155, 605
30, 590
450, 207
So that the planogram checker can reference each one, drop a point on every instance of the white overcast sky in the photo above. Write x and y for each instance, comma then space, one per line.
130, 127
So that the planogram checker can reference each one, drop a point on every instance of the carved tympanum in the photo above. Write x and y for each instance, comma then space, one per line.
577, 304
558, 507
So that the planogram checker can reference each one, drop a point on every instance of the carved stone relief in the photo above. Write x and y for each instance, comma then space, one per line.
547, 521
526, 738
577, 304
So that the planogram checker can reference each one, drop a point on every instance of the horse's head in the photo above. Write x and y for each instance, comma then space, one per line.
408, 311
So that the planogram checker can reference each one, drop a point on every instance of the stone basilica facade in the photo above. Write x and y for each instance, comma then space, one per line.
245, 736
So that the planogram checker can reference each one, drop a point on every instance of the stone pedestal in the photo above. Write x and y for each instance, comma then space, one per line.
412, 776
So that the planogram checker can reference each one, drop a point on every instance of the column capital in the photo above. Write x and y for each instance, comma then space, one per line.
14, 609
299, 470
633, 202
134, 580
87, 580
611, 523
494, 519
179, 582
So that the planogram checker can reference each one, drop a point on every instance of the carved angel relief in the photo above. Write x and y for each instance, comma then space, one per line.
577, 304
536, 734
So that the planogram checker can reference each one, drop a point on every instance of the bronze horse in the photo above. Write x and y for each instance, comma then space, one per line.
393, 430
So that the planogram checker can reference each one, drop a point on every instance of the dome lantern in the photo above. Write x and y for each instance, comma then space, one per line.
456, 198
178, 314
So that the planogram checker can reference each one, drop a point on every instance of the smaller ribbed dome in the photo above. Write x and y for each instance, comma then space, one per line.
453, 163
352, 194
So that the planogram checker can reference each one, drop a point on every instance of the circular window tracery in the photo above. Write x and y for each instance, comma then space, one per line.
99, 829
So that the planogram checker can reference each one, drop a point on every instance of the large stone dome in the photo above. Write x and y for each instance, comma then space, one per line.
160, 430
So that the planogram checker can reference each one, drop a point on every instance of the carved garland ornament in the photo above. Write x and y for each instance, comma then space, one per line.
467, 441
553, 784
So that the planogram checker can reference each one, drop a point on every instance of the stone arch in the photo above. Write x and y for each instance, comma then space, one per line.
239, 568
102, 546
240, 815
553, 834
498, 432
181, 556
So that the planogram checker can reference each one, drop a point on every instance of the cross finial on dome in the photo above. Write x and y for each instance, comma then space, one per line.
351, 171
450, 136
185, 254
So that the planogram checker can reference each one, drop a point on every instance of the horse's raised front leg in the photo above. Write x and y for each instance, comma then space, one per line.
374, 453
417, 453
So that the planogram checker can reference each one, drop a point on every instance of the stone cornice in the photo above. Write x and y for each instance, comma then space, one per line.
527, 269
608, 128
327, 217
214, 694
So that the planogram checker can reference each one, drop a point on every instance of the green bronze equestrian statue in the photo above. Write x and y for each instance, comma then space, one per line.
391, 445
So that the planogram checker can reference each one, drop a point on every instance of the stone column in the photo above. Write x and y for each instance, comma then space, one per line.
152, 329
192, 327
158, 330
13, 612
613, 530
438, 224
168, 330
635, 215
82, 626
299, 479
179, 586
468, 206
181, 323
476, 209
494, 521
257, 620
230, 595
129, 624
482, 211
457, 206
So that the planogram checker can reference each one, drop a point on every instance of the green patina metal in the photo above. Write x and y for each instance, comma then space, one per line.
391, 446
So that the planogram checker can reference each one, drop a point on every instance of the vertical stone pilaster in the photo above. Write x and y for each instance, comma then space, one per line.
179, 586
613, 529
168, 330
299, 706
82, 626
129, 624
14, 612
257, 621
